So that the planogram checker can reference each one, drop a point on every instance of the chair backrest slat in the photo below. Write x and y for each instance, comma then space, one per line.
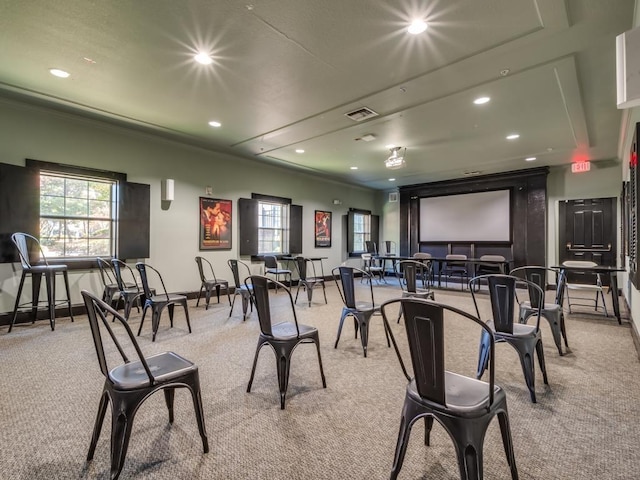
425, 329
260, 285
97, 312
301, 264
28, 246
144, 279
502, 294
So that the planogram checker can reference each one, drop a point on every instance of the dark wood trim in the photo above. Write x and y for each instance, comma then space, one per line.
528, 197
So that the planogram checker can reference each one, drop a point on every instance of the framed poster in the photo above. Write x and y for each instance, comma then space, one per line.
322, 229
215, 224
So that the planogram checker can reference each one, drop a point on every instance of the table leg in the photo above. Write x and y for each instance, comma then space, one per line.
613, 284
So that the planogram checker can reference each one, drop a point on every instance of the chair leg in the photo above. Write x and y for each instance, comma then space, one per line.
316, 340
406, 422
363, 322
428, 425
563, 329
483, 354
255, 362
171, 308
66, 285
97, 427
232, 303
50, 282
556, 330
121, 425
543, 368
194, 388
199, 295
505, 430
186, 314
528, 369
342, 317
17, 304
324, 292
309, 289
144, 312
468, 442
284, 366
169, 394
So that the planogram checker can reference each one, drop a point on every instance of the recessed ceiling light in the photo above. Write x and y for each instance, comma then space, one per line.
215, 124
390, 146
481, 100
203, 58
58, 73
417, 26
392, 179
513, 136
299, 150
354, 168
530, 159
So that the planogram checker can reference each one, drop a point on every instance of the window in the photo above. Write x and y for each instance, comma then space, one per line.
269, 225
273, 228
77, 215
361, 231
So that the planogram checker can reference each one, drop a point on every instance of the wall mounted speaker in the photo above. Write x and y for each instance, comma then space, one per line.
167, 190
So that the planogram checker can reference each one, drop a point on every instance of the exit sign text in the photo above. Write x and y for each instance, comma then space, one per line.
579, 167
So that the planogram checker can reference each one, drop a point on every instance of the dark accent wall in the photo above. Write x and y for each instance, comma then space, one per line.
528, 245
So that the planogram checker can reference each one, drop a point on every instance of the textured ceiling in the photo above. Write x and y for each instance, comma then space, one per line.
286, 71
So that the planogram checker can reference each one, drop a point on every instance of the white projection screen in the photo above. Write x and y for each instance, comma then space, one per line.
471, 217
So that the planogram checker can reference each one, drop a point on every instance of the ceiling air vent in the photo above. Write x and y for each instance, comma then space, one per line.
361, 114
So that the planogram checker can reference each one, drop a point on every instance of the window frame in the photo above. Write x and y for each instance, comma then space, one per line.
65, 217
132, 212
284, 218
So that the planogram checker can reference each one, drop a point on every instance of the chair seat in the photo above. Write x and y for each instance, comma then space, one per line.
418, 294
549, 307
287, 330
366, 307
46, 268
164, 366
172, 297
278, 271
582, 286
213, 283
519, 330
463, 395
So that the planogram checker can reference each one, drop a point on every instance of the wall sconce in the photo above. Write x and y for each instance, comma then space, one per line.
167, 190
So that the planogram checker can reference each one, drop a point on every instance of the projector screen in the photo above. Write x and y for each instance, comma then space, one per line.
471, 217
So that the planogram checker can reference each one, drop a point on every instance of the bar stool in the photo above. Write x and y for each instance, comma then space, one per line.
22, 242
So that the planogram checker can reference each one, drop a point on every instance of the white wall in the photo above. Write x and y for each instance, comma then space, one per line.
28, 131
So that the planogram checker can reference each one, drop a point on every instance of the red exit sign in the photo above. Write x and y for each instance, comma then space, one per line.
579, 167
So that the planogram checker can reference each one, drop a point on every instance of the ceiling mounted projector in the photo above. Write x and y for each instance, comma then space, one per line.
396, 159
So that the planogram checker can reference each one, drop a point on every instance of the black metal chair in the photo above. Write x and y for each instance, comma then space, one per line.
210, 284
246, 294
454, 264
373, 267
128, 385
596, 288
463, 406
309, 282
157, 303
551, 311
361, 311
110, 286
525, 339
271, 267
130, 292
27, 244
407, 271
283, 337
427, 271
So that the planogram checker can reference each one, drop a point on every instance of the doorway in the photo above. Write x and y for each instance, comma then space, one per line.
587, 231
